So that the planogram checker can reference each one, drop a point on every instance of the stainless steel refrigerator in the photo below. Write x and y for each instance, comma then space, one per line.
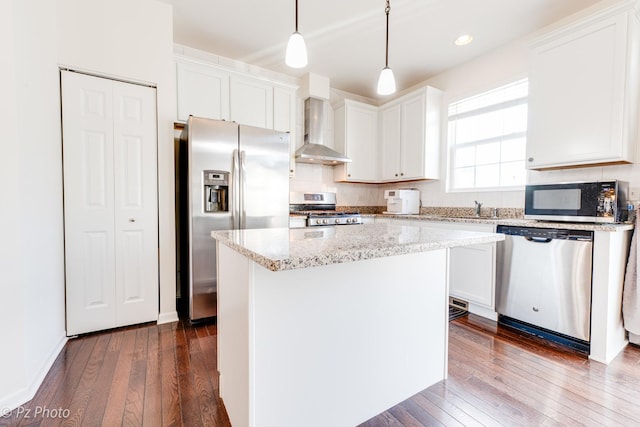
228, 176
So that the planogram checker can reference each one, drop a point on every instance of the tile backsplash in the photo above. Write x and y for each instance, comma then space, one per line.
434, 194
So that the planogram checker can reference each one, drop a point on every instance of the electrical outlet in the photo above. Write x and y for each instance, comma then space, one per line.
634, 193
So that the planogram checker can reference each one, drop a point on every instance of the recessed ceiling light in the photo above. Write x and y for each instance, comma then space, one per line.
463, 40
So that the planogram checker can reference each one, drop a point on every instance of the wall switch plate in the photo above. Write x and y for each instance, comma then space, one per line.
634, 193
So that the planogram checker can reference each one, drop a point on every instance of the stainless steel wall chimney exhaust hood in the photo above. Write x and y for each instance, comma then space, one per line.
313, 150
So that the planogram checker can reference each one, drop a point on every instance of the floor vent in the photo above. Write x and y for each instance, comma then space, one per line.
457, 308
458, 303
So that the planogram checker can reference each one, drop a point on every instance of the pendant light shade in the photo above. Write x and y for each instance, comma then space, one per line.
296, 51
386, 81
296, 56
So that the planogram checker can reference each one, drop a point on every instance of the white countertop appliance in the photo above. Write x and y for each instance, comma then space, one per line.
403, 201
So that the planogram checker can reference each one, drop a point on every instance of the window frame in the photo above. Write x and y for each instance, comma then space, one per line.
452, 146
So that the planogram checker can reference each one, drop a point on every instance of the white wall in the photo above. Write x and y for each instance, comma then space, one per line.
132, 40
32, 251
504, 65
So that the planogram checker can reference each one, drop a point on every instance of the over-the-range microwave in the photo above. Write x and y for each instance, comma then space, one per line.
589, 201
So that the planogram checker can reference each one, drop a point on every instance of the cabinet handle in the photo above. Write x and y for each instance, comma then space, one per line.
530, 159
536, 309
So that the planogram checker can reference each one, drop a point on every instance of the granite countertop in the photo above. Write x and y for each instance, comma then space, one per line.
520, 222
280, 249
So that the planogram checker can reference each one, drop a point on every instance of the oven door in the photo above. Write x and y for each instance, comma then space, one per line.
575, 202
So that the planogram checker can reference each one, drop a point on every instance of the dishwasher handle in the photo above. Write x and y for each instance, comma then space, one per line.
538, 239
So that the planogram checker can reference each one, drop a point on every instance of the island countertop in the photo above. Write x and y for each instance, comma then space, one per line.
279, 249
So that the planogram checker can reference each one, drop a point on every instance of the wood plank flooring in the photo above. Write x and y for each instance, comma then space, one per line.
165, 375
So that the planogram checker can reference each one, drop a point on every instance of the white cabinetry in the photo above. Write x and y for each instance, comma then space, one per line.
471, 268
355, 135
251, 102
207, 90
583, 92
472, 272
410, 136
203, 91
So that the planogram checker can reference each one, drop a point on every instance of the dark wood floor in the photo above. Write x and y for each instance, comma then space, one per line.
166, 376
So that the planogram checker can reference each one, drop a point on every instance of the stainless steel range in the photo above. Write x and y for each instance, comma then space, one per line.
320, 209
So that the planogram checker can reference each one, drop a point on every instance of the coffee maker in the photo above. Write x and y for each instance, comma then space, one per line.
403, 201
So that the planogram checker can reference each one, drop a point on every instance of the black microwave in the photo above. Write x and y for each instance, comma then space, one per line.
591, 201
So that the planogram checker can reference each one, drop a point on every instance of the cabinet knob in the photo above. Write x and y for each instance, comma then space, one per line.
530, 159
536, 309
396, 174
401, 174
132, 220
349, 175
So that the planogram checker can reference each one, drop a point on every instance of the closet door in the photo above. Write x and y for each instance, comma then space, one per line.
136, 211
110, 202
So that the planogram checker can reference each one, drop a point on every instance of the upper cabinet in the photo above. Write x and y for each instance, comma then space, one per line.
251, 102
410, 136
203, 91
583, 92
355, 135
398, 141
208, 90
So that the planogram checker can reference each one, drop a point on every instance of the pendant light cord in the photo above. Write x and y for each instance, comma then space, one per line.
387, 9
297, 15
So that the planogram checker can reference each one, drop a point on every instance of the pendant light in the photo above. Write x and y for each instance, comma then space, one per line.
296, 56
386, 81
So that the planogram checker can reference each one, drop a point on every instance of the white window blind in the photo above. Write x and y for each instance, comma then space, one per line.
487, 139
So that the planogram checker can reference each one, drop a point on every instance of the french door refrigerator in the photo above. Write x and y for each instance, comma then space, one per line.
229, 176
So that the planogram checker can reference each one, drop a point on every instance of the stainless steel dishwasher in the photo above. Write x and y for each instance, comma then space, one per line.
543, 282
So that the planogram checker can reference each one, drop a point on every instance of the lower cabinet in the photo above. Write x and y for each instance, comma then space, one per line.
471, 268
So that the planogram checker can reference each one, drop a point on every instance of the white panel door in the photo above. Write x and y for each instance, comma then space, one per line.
88, 202
202, 91
390, 121
136, 212
109, 149
251, 102
412, 149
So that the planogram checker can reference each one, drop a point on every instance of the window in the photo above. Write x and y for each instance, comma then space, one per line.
487, 139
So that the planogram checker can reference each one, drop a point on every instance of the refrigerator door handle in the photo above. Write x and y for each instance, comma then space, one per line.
235, 191
243, 178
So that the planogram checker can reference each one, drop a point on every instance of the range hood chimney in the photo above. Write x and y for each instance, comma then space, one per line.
313, 149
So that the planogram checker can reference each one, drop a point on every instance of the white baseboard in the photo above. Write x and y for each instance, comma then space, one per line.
169, 317
22, 396
485, 312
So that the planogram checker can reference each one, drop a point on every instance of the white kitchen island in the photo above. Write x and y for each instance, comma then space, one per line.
330, 326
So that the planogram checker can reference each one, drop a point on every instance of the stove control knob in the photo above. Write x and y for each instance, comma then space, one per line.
324, 221
318, 221
338, 220
348, 220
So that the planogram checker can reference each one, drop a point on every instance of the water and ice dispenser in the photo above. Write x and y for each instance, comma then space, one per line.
216, 191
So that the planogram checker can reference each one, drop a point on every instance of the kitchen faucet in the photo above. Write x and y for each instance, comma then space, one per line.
478, 207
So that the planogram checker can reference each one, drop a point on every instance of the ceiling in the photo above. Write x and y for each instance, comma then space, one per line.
346, 39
